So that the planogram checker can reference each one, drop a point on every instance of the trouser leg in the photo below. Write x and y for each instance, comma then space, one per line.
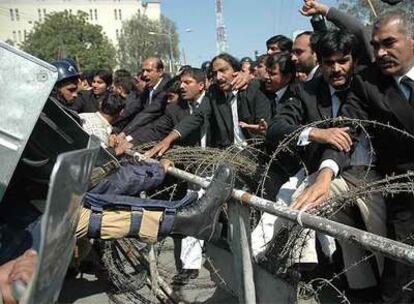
359, 271
116, 224
397, 281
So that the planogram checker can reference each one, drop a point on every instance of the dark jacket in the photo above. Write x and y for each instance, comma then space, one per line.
87, 102
215, 115
150, 111
132, 107
313, 103
160, 128
377, 97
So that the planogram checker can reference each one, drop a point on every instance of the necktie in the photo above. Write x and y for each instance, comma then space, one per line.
409, 83
275, 104
341, 95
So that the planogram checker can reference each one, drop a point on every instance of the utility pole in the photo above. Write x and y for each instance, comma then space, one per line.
222, 45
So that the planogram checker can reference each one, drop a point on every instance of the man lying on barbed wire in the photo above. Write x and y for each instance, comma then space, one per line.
112, 209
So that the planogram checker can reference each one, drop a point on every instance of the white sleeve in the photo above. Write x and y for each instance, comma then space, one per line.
303, 139
331, 164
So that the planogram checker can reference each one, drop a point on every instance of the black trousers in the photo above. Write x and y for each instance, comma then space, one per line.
397, 282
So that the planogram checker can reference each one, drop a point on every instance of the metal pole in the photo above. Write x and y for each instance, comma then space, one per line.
394, 250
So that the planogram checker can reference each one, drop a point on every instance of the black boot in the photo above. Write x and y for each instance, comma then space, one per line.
199, 219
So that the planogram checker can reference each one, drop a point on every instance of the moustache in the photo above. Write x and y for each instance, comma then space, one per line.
336, 75
386, 59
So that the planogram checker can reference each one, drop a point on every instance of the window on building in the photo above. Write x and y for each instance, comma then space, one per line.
96, 14
19, 33
24, 34
116, 14
120, 14
11, 15
91, 14
14, 36
44, 13
70, 11
16, 12
117, 34
39, 14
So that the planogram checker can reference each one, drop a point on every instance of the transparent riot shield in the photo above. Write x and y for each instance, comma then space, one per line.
25, 83
68, 183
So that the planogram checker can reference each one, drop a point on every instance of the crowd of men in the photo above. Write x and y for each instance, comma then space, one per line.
320, 89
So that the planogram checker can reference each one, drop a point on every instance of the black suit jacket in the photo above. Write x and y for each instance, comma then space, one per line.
312, 103
150, 112
377, 97
215, 115
157, 130
291, 91
87, 102
133, 105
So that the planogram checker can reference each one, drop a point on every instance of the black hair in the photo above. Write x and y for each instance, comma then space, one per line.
198, 74
121, 73
112, 104
173, 85
88, 76
262, 59
126, 83
336, 41
105, 75
283, 42
233, 61
284, 60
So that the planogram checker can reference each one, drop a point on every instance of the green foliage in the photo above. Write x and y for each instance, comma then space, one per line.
362, 9
65, 35
136, 43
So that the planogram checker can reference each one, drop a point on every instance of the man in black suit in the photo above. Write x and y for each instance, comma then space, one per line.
385, 93
152, 101
191, 96
319, 99
221, 115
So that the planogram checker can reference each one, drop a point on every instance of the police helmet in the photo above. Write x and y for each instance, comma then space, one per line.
66, 70
246, 59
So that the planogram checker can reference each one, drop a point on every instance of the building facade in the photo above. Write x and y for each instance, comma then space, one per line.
17, 17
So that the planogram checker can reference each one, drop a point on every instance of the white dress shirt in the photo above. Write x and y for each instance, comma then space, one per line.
152, 90
239, 138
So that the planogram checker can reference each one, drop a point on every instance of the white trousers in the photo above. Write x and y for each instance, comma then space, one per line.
372, 213
191, 255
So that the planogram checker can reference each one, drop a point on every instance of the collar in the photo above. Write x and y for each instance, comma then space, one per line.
312, 73
409, 74
200, 99
332, 90
230, 95
100, 116
156, 86
279, 93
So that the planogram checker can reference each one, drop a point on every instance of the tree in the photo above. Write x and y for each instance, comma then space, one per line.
65, 35
141, 38
363, 11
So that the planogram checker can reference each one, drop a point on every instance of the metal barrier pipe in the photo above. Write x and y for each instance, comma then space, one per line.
394, 250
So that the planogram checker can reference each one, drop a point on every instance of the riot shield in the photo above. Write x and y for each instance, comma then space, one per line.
68, 183
25, 83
